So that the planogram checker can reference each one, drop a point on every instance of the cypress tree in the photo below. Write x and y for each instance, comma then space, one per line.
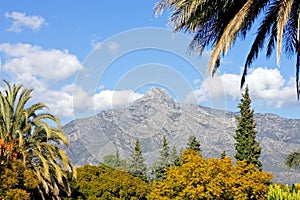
247, 148
137, 166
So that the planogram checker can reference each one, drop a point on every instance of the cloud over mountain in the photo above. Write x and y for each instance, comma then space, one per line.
267, 86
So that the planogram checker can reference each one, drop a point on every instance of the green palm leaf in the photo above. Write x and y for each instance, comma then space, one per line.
33, 134
218, 24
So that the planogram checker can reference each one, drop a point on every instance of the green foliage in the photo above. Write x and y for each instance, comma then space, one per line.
194, 144
167, 158
247, 148
16, 182
174, 157
293, 160
101, 182
200, 178
114, 161
277, 192
137, 166
26, 135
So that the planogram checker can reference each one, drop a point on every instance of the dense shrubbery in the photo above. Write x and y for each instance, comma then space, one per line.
33, 167
101, 182
200, 178
193, 178
283, 192
16, 182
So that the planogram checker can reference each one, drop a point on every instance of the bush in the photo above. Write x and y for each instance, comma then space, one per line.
200, 178
101, 182
278, 192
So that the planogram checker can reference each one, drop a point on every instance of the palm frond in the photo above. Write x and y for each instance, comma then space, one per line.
297, 74
264, 29
228, 36
282, 19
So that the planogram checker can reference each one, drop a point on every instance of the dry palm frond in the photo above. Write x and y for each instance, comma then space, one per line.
229, 35
282, 18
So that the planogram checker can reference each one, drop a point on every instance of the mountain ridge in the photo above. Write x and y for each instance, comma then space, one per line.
156, 114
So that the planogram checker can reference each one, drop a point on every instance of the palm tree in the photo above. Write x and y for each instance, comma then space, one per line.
26, 134
218, 24
293, 160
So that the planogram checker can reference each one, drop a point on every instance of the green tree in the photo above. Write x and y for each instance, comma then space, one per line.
137, 166
194, 144
101, 182
165, 160
114, 161
247, 148
174, 157
218, 24
26, 135
293, 160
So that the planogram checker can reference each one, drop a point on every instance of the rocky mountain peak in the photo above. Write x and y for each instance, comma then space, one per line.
155, 97
157, 94
156, 115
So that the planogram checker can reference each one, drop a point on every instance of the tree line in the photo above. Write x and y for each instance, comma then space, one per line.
33, 166
187, 174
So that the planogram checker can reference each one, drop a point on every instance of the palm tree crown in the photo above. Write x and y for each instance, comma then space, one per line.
26, 134
218, 23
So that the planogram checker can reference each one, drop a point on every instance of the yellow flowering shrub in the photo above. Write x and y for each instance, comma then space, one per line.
200, 178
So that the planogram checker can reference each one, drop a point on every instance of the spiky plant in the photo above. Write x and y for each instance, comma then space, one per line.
218, 23
32, 136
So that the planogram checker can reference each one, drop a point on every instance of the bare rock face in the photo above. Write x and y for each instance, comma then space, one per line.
156, 114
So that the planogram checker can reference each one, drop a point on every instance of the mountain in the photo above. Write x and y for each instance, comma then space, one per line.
156, 114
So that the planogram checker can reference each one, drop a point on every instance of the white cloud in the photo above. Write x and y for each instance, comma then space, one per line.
266, 86
60, 102
49, 72
96, 42
196, 81
21, 20
100, 87
46, 71
107, 99
103, 100
35, 66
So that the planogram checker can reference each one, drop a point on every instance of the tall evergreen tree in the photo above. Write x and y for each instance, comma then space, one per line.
164, 161
194, 144
247, 148
174, 157
137, 165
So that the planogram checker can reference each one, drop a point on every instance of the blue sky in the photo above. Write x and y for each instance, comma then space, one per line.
82, 57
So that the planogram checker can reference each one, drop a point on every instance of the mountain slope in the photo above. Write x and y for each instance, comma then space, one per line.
156, 114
